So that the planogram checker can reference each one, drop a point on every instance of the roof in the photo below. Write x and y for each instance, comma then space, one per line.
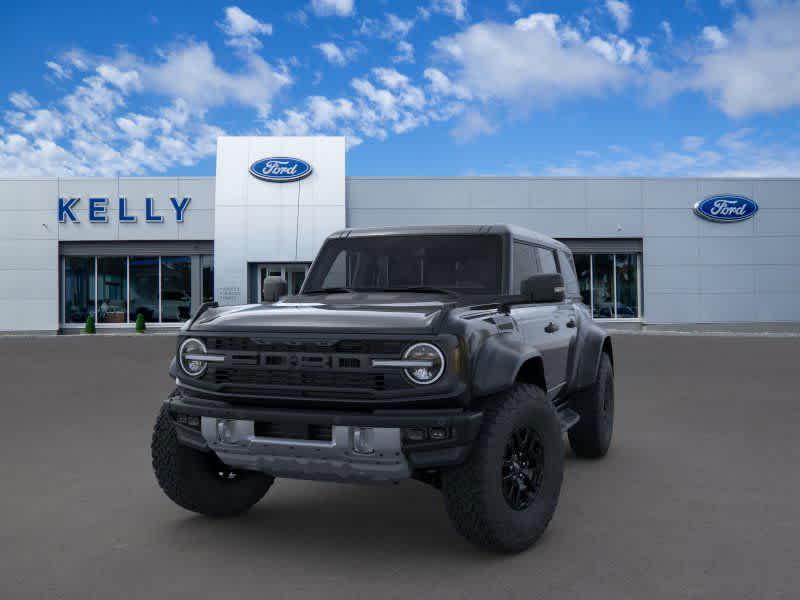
520, 233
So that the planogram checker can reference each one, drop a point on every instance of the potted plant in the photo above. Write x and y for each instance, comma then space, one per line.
89, 327
140, 324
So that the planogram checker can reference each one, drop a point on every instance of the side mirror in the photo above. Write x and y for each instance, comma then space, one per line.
273, 289
544, 287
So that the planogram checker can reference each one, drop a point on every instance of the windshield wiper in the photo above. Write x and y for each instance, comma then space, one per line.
422, 289
330, 290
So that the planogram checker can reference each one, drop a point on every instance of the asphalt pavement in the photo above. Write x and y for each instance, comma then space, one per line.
699, 496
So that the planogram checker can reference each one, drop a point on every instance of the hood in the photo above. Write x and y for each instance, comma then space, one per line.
342, 313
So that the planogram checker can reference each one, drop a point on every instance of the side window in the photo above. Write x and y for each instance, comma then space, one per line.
547, 259
568, 271
524, 265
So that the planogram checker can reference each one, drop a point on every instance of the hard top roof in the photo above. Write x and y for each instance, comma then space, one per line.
520, 233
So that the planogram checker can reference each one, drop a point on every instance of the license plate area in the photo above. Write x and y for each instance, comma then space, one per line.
293, 431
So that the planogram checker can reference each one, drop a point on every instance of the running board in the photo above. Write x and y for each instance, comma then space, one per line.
568, 418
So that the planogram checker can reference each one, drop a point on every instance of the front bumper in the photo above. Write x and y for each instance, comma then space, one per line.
394, 456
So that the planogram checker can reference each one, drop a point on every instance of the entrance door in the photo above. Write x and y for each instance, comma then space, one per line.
293, 273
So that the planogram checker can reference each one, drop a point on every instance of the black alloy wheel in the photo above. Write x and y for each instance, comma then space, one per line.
523, 468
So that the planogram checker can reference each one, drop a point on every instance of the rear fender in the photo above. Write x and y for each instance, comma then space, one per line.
592, 342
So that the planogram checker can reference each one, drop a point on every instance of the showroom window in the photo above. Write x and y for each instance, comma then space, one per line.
117, 289
207, 273
610, 284
79, 289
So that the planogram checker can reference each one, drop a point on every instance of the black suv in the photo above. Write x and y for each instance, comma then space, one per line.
456, 356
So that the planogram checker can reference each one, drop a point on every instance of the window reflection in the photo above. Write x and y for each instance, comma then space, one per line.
627, 286
609, 283
78, 288
144, 288
603, 286
207, 270
176, 288
111, 289
584, 276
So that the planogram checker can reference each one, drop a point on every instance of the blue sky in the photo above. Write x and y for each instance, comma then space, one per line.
438, 87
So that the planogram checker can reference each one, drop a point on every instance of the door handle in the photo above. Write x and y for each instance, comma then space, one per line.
551, 327
571, 323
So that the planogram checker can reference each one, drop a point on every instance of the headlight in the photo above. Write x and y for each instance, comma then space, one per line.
431, 364
191, 357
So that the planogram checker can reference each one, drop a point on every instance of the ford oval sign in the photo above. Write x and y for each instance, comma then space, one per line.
726, 209
280, 169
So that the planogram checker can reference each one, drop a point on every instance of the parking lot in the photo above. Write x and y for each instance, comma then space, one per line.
698, 498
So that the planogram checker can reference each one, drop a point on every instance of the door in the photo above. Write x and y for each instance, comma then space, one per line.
294, 274
563, 327
548, 327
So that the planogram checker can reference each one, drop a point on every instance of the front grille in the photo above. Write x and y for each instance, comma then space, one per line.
294, 431
255, 344
304, 368
323, 379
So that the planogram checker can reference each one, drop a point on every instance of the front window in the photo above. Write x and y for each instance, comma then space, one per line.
465, 264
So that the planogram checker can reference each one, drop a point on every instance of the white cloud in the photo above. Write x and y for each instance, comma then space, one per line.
692, 143
715, 37
243, 29
59, 71
537, 60
91, 131
621, 11
22, 100
666, 27
191, 72
472, 124
336, 55
441, 84
453, 8
735, 154
405, 53
727, 3
514, 8
385, 101
758, 70
127, 80
398, 27
339, 8
391, 27
298, 16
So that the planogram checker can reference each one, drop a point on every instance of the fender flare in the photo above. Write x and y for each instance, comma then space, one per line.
592, 343
499, 362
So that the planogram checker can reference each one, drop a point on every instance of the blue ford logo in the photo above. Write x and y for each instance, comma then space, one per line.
280, 169
726, 209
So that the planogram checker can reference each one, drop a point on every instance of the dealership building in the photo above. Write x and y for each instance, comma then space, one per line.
649, 251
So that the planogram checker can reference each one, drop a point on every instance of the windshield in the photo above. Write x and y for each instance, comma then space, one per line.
466, 264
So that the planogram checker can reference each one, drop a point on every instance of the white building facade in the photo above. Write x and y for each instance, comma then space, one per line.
116, 248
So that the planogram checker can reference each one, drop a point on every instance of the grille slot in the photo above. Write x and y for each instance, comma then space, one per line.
294, 431
250, 344
321, 378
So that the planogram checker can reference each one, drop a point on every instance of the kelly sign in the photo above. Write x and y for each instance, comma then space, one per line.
98, 210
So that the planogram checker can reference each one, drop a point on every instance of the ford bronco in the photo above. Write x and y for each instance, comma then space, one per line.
456, 356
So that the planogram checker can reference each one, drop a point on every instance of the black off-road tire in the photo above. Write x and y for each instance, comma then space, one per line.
591, 436
473, 492
198, 481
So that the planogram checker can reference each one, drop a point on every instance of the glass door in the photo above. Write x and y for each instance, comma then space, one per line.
294, 275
